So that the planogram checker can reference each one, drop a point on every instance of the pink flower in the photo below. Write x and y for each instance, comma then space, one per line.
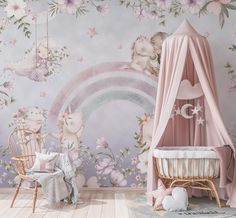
102, 9
216, 5
14, 115
22, 110
140, 13
101, 143
192, 6
69, 6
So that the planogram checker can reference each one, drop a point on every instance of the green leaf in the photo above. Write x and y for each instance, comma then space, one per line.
4, 93
225, 11
21, 25
231, 72
221, 19
203, 10
228, 65
230, 6
233, 48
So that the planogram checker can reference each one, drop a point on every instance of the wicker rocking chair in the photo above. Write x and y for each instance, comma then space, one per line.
23, 144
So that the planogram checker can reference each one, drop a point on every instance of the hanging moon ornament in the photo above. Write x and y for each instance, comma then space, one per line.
184, 111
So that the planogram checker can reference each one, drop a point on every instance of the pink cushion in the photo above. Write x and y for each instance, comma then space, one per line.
44, 162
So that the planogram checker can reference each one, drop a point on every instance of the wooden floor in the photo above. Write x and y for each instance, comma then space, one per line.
96, 204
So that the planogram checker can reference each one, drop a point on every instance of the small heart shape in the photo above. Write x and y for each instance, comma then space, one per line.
178, 201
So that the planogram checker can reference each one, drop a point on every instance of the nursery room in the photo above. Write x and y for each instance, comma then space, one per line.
117, 108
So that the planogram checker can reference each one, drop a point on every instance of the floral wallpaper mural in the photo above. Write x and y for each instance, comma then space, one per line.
84, 73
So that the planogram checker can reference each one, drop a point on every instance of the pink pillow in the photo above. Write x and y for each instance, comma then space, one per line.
44, 162
160, 193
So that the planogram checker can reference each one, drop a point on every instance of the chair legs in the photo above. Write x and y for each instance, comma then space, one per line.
16, 193
35, 195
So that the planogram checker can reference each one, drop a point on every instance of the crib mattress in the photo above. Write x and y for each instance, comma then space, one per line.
187, 162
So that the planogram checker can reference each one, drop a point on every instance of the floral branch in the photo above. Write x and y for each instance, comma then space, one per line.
24, 26
75, 7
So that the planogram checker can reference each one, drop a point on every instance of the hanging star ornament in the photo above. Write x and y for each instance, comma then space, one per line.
199, 107
195, 110
178, 111
200, 121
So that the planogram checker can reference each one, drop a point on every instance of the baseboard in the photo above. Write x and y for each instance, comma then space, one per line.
125, 189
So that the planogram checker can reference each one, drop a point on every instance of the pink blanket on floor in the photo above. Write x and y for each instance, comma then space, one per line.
227, 172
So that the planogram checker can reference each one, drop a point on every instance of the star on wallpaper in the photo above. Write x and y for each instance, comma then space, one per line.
92, 32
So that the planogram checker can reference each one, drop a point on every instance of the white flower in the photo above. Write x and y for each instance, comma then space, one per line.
138, 177
143, 162
134, 160
15, 8
10, 182
164, 4
105, 166
4, 174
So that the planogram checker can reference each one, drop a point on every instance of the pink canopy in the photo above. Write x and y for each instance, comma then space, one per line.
187, 111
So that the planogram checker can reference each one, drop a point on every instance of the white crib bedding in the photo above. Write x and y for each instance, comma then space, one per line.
187, 161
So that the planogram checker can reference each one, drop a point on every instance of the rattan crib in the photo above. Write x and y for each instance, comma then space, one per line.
189, 166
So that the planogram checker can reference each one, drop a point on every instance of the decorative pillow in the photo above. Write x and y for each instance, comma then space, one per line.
160, 193
44, 162
178, 201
